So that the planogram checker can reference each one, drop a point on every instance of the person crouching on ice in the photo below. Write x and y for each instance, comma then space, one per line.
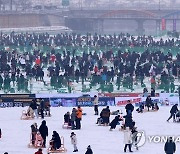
56, 141
74, 141
115, 122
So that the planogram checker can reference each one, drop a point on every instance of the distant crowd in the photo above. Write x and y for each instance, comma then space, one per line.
101, 60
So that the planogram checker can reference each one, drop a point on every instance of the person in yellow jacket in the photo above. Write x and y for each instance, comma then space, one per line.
78, 117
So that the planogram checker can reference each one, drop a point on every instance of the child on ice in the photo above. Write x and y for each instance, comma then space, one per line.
74, 141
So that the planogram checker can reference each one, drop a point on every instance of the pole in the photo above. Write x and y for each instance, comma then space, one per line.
11, 5
159, 5
179, 94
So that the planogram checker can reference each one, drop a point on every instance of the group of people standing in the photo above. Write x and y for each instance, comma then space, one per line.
37, 109
39, 135
74, 119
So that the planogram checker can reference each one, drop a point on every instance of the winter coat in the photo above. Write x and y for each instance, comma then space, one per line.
79, 113
38, 138
43, 129
129, 107
33, 105
105, 112
89, 151
174, 109
56, 140
128, 121
73, 115
30, 112
148, 102
42, 104
115, 122
170, 147
73, 139
127, 136
67, 118
38, 152
34, 129
95, 101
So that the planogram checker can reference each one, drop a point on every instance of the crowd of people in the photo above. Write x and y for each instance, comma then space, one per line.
65, 59
73, 119
106, 62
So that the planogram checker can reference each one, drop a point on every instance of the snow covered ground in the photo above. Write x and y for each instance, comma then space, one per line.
16, 132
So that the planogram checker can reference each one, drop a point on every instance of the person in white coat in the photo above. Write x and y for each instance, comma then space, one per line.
127, 139
74, 141
96, 99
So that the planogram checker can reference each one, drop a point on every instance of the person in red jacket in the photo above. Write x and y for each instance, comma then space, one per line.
39, 151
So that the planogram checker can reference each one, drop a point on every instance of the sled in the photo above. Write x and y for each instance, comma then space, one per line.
38, 142
62, 149
103, 124
47, 115
116, 112
177, 117
145, 110
122, 128
66, 126
25, 116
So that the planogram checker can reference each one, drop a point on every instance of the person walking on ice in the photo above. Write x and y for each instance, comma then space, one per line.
43, 129
74, 141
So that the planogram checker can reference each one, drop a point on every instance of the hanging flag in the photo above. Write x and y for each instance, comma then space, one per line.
174, 25
163, 21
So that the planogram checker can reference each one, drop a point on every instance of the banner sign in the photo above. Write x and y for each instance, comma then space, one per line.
84, 101
119, 101
103, 101
122, 94
65, 102
106, 101
16, 100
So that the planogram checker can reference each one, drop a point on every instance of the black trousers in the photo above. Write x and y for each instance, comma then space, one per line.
172, 115
78, 123
42, 113
44, 142
129, 145
96, 109
73, 125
